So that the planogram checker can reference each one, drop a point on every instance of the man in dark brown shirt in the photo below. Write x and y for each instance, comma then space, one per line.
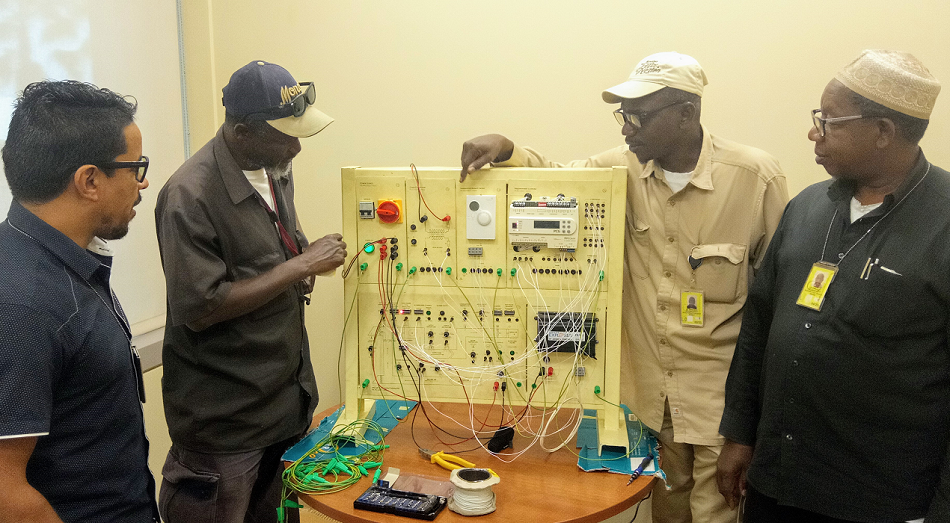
238, 384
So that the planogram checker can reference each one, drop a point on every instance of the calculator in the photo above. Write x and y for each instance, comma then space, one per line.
401, 503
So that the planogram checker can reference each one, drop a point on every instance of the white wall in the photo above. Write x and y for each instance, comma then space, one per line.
131, 48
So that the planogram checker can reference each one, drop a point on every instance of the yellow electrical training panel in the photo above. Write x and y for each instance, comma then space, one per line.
503, 289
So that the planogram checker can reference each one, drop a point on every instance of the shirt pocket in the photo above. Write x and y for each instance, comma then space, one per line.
878, 307
255, 262
720, 273
639, 250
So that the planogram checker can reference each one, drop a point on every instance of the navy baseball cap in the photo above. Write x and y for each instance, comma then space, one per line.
265, 91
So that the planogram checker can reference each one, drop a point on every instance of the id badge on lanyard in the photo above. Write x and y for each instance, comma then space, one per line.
692, 311
817, 285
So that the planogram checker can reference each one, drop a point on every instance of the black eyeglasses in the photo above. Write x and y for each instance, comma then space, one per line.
637, 119
295, 106
141, 166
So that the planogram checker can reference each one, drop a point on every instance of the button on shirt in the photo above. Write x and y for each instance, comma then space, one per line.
67, 376
725, 216
849, 407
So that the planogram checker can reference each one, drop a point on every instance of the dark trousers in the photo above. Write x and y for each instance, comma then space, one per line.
760, 508
242, 487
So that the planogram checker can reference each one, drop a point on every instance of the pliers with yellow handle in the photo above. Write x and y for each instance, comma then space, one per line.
449, 461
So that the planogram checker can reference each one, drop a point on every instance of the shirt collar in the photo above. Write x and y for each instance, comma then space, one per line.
843, 190
237, 185
702, 173
81, 261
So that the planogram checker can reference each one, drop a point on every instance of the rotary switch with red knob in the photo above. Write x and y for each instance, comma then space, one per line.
389, 211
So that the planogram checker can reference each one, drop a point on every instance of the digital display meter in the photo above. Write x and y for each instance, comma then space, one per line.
545, 223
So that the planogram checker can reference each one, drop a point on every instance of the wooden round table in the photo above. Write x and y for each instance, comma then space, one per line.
538, 486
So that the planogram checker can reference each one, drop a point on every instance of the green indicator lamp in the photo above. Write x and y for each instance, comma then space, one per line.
597, 389
534, 385
499, 271
428, 313
369, 248
514, 271
512, 353
412, 270
448, 270
366, 383
464, 270
363, 266
601, 275
518, 384
398, 266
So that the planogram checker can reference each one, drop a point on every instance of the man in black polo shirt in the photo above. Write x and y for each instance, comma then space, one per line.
238, 385
72, 438
838, 398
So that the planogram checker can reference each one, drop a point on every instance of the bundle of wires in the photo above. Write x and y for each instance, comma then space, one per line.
324, 469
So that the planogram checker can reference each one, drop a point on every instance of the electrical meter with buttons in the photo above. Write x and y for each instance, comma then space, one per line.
545, 222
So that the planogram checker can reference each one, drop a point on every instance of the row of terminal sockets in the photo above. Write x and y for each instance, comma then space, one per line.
420, 313
595, 210
564, 272
446, 335
425, 252
497, 313
489, 358
422, 366
593, 241
592, 210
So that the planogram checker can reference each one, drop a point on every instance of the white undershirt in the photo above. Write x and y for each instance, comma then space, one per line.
858, 211
259, 181
677, 181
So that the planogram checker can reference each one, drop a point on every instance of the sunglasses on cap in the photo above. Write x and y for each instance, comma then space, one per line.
295, 107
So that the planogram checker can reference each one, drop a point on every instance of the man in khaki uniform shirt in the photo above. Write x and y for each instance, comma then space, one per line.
700, 213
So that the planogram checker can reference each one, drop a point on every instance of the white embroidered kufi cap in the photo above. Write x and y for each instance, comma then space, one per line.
894, 79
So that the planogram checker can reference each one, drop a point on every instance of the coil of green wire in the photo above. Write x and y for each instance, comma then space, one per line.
324, 469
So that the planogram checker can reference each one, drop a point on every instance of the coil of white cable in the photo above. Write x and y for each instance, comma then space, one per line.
473, 494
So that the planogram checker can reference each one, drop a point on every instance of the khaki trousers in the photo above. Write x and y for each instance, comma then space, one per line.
691, 471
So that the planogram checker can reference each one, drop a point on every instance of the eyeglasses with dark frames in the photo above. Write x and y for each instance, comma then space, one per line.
820, 122
637, 119
141, 167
